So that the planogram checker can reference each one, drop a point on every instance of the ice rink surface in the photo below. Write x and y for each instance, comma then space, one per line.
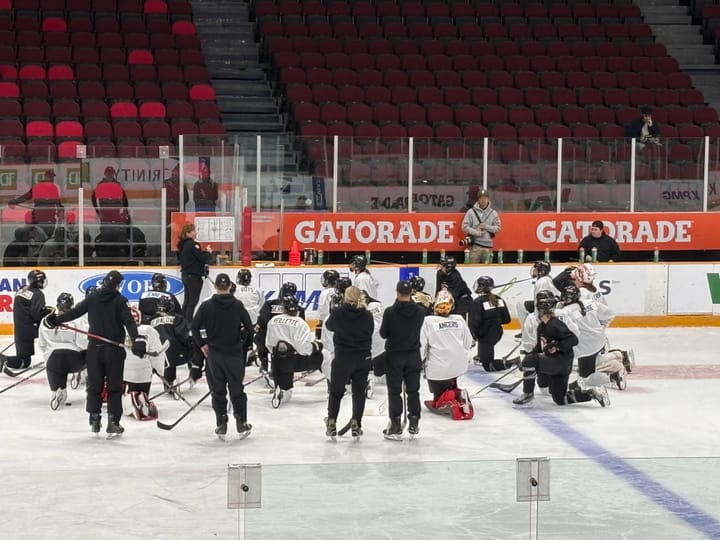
646, 467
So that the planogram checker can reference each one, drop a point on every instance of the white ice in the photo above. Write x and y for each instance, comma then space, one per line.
645, 467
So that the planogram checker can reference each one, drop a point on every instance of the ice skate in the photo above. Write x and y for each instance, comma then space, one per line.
221, 429
243, 428
267, 378
628, 360
619, 379
280, 396
477, 361
95, 424
370, 388
76, 380
3, 361
331, 429
600, 394
413, 425
58, 399
523, 399
355, 429
114, 429
394, 430
544, 390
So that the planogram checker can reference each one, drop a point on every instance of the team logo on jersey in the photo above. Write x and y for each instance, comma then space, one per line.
134, 285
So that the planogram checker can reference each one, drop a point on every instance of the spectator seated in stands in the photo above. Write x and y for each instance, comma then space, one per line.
643, 129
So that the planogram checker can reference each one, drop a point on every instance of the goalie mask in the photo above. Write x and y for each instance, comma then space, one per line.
444, 303
584, 273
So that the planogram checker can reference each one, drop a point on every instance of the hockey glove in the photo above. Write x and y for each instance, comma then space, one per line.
317, 347
50, 321
551, 347
139, 347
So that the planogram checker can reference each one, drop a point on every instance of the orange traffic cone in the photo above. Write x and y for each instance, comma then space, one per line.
294, 254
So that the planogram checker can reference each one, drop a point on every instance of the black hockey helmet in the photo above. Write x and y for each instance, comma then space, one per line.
417, 283
91, 289
65, 302
232, 289
570, 294
288, 289
484, 284
37, 278
358, 263
244, 277
158, 282
165, 304
449, 263
291, 305
341, 284
329, 278
113, 279
540, 269
545, 302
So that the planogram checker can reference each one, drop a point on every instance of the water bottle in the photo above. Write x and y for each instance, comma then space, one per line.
321, 256
581, 255
594, 254
442, 254
466, 254
547, 255
500, 256
424, 256
520, 256
656, 255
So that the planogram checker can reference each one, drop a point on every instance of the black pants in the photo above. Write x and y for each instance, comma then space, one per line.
174, 359
556, 372
284, 367
354, 366
105, 365
193, 286
486, 354
24, 350
262, 351
143, 387
438, 388
225, 373
61, 363
586, 365
403, 367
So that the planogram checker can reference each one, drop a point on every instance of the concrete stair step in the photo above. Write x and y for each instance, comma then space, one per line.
660, 18
239, 104
645, 5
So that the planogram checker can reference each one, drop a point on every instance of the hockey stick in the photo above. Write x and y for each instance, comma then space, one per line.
168, 427
508, 372
13, 385
174, 392
7, 370
505, 286
171, 388
507, 388
6, 348
110, 341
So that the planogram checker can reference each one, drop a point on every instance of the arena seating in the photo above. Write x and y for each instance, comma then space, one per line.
523, 74
122, 77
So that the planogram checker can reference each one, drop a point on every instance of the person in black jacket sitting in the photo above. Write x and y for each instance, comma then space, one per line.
644, 130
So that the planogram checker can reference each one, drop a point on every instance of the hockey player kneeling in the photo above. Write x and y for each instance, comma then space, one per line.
138, 371
445, 341
293, 348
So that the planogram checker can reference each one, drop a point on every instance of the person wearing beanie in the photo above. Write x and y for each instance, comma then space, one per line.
401, 325
480, 225
607, 248
222, 329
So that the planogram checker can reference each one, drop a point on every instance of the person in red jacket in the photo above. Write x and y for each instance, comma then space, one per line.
46, 197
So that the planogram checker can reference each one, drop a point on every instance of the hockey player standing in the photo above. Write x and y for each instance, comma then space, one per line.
251, 297
401, 324
28, 310
228, 334
138, 371
108, 317
352, 327
552, 357
64, 352
363, 279
488, 313
325, 300
444, 344
293, 348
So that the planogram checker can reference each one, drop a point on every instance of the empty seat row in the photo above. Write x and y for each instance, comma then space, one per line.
93, 55
112, 90
453, 47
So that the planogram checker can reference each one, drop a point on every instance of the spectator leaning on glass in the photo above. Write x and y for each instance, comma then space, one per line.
480, 225
607, 247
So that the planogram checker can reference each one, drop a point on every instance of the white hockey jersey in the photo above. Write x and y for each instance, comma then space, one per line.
591, 326
62, 338
325, 303
544, 283
252, 298
444, 346
530, 326
139, 370
366, 282
292, 329
378, 342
